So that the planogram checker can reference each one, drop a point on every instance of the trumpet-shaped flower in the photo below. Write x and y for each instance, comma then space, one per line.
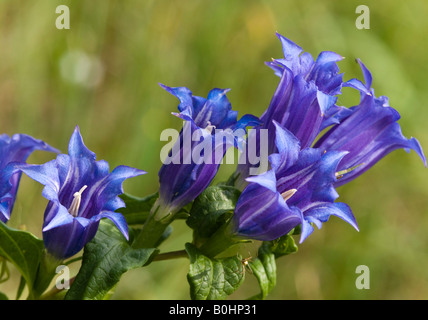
304, 101
14, 150
195, 161
81, 191
368, 132
297, 190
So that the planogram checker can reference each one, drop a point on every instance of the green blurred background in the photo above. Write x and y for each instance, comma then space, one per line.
103, 75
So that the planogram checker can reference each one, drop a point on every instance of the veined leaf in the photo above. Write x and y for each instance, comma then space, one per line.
23, 250
213, 279
264, 266
212, 208
105, 259
137, 210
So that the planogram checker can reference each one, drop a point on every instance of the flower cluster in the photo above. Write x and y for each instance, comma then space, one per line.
313, 146
300, 188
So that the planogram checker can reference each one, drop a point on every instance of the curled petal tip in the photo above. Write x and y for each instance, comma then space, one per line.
165, 87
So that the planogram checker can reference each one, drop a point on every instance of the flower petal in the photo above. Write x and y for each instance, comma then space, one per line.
262, 214
117, 218
76, 147
369, 134
320, 213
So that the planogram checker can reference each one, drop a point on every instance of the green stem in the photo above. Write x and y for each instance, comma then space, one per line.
171, 255
151, 233
52, 293
220, 241
73, 260
45, 274
4, 270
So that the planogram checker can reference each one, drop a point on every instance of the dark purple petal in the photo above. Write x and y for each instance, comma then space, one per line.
320, 213
313, 176
325, 73
185, 96
47, 175
215, 123
357, 84
288, 149
369, 133
368, 79
181, 182
81, 191
118, 220
56, 215
335, 115
292, 53
102, 194
215, 110
76, 147
297, 190
69, 238
261, 213
14, 151
302, 101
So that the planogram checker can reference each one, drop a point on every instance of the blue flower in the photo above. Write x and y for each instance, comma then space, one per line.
298, 190
14, 150
81, 191
304, 101
368, 131
193, 166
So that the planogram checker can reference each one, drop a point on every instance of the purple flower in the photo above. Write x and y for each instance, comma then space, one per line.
297, 190
81, 191
304, 101
195, 161
14, 150
369, 131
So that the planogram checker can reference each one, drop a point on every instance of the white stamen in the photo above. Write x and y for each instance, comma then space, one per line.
288, 194
209, 127
340, 174
75, 205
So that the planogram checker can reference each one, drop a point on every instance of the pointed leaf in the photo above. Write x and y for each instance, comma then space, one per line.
264, 266
282, 246
213, 279
137, 210
23, 250
212, 208
264, 269
105, 259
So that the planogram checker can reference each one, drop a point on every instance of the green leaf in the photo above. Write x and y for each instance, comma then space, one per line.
105, 259
23, 250
21, 288
264, 266
213, 279
137, 210
212, 208
282, 246
3, 296
4, 270
264, 269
